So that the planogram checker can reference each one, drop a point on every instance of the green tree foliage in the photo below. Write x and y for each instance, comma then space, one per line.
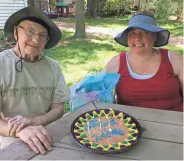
163, 9
114, 4
94, 6
179, 11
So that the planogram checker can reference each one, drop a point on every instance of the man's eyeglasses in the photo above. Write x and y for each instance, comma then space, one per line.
32, 32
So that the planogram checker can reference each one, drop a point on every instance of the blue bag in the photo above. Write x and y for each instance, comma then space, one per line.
97, 87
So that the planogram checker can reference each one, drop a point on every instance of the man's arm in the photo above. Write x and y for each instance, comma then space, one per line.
3, 124
56, 112
3, 128
61, 95
17, 123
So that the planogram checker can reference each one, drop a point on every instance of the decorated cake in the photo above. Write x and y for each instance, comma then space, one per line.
106, 130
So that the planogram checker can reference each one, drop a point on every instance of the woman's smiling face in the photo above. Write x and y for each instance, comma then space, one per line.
32, 37
141, 40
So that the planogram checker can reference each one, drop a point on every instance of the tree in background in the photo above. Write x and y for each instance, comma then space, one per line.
105, 8
91, 8
179, 11
30, 3
80, 20
162, 9
52, 5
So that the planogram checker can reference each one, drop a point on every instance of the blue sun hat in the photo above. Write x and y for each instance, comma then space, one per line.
145, 22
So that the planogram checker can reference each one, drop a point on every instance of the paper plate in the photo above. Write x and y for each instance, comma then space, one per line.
106, 131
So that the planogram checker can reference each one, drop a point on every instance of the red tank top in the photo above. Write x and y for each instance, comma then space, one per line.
162, 91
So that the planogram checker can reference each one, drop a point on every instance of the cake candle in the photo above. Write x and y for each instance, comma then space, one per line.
100, 123
88, 129
109, 125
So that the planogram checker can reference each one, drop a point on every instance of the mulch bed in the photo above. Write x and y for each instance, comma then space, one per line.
4, 44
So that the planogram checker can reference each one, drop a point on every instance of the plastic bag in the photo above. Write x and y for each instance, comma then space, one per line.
97, 87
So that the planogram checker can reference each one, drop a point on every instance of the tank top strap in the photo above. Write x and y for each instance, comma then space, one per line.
123, 64
166, 66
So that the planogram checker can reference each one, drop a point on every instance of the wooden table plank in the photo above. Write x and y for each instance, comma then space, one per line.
58, 129
163, 116
69, 154
163, 132
79, 148
17, 151
146, 149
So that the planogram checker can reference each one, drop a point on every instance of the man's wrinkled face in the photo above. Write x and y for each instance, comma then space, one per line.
32, 37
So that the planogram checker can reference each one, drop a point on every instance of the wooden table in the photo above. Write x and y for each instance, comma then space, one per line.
163, 138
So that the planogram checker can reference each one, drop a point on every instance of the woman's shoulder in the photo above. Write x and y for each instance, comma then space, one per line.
113, 64
175, 56
176, 61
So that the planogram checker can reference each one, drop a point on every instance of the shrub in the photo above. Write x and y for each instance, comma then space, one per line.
2, 37
163, 9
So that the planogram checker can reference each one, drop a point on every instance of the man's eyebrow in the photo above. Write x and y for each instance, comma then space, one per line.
36, 30
43, 32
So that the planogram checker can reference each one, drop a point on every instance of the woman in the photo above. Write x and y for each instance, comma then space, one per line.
32, 86
150, 77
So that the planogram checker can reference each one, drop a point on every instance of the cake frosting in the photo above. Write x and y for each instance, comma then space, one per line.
106, 130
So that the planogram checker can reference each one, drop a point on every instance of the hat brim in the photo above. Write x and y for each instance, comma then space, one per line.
162, 34
54, 32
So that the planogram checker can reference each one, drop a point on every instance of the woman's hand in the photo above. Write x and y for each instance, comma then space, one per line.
37, 138
17, 123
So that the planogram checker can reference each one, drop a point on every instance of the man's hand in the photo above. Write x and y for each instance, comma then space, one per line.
36, 137
17, 123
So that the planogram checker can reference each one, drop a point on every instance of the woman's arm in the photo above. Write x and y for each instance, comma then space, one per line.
113, 65
177, 64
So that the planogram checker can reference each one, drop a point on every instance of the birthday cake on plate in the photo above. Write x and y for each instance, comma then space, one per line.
106, 130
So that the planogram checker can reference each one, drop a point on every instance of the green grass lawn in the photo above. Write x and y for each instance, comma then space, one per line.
176, 28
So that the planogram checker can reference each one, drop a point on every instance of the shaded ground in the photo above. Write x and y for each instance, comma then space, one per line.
177, 41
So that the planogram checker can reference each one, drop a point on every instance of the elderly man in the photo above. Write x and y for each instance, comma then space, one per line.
32, 86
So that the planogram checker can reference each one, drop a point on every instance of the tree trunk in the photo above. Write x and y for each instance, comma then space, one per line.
179, 14
31, 3
92, 8
40, 4
80, 20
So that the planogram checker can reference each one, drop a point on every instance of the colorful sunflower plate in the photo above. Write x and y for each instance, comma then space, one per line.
106, 130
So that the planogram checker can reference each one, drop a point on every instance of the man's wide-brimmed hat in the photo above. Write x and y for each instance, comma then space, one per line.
145, 22
31, 13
